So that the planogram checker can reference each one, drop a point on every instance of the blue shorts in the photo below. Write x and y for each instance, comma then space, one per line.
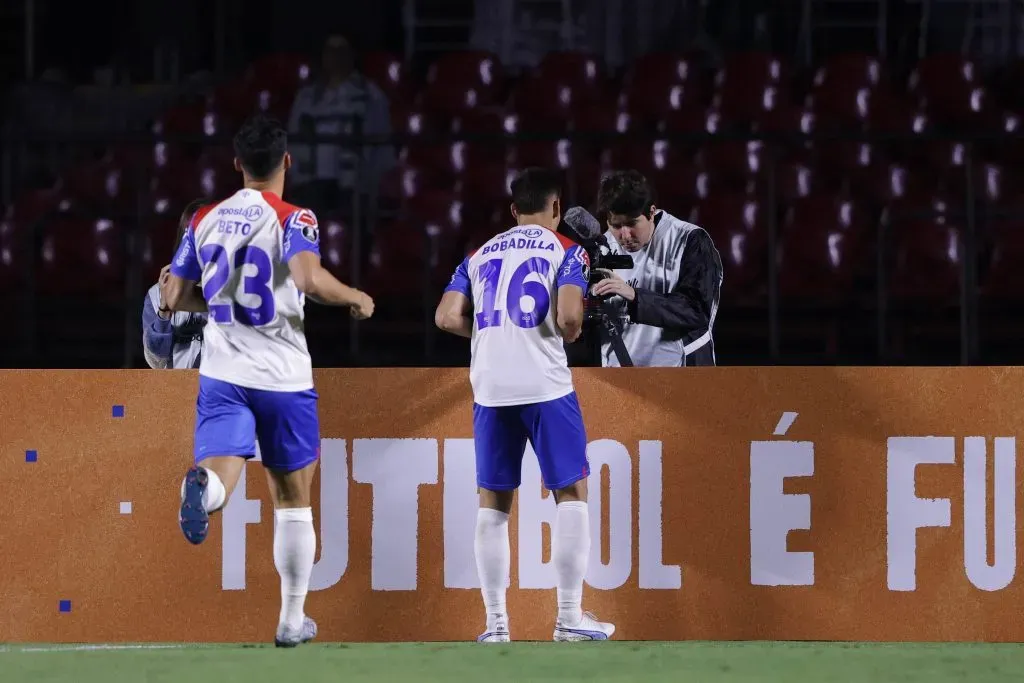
230, 418
554, 429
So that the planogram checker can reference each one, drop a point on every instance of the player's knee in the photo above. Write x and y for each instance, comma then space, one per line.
574, 491
497, 500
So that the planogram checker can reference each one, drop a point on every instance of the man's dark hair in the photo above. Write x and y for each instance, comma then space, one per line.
186, 220
260, 145
534, 187
625, 193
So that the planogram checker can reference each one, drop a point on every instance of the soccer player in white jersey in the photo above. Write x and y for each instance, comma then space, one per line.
518, 297
257, 259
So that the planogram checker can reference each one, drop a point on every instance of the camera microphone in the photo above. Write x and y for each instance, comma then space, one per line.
583, 223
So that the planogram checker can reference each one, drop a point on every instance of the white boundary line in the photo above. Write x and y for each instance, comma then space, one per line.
90, 648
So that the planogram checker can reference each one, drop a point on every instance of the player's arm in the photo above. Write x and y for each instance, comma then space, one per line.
455, 312
179, 286
302, 252
569, 312
571, 281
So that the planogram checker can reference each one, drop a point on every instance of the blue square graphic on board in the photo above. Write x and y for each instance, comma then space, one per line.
65, 605
118, 411
31, 456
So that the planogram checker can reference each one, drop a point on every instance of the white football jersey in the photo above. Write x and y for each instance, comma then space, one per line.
239, 249
513, 281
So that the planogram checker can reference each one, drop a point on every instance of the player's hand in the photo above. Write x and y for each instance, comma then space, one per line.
613, 285
165, 275
364, 308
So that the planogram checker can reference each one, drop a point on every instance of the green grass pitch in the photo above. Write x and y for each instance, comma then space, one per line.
647, 662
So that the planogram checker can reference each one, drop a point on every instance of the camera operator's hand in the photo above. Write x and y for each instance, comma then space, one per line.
612, 285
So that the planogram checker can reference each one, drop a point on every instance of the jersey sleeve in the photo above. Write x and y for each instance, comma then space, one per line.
460, 280
301, 233
186, 261
575, 268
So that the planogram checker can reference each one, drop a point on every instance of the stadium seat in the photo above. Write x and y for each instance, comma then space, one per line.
750, 86
336, 246
844, 88
545, 106
279, 72
799, 178
488, 184
406, 257
102, 186
449, 162
442, 213
390, 74
582, 72
950, 86
822, 240
927, 257
159, 242
737, 225
458, 81
82, 257
217, 175
735, 159
14, 254
655, 86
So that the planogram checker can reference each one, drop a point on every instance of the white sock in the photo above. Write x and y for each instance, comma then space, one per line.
215, 494
570, 552
294, 553
493, 560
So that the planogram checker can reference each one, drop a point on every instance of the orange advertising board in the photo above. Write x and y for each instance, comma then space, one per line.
733, 503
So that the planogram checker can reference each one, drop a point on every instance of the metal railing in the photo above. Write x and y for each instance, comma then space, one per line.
767, 315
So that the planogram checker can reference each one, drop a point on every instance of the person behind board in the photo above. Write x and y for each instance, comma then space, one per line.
172, 339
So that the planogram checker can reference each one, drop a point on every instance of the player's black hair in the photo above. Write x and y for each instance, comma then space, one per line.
534, 187
625, 193
186, 220
260, 145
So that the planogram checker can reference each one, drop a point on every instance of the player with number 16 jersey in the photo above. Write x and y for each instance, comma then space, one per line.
519, 297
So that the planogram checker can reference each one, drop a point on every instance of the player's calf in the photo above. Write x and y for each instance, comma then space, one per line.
570, 553
205, 490
294, 548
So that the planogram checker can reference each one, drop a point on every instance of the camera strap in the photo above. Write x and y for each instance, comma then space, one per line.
614, 334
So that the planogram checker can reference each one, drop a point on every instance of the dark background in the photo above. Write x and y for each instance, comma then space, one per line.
933, 280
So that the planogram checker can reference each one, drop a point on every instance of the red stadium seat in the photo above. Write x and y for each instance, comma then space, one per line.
159, 241
582, 72
844, 88
459, 81
82, 257
407, 255
213, 177
390, 74
750, 86
822, 242
658, 83
797, 179
927, 262
104, 186
14, 255
737, 224
452, 161
336, 246
545, 106
950, 86
441, 212
280, 72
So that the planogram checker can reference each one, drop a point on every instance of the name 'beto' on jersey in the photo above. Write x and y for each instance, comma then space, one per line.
239, 250
513, 281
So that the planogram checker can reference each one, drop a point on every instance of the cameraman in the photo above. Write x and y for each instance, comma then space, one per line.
669, 299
